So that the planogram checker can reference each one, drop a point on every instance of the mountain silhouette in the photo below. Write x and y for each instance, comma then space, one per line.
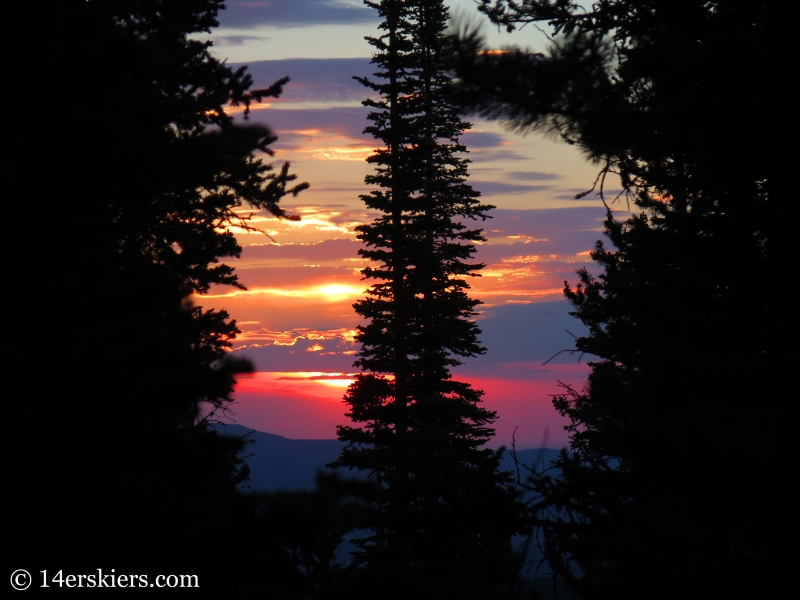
279, 463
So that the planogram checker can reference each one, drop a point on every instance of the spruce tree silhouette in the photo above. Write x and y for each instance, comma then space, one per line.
131, 171
688, 423
448, 512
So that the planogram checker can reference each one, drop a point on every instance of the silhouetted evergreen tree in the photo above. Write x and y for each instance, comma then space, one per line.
676, 485
448, 513
125, 172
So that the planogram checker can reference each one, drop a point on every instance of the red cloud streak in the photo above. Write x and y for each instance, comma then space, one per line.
294, 406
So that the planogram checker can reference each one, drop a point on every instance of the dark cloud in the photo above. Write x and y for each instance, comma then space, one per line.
512, 333
533, 175
518, 333
540, 222
497, 155
566, 231
349, 122
294, 13
331, 80
494, 188
235, 40
301, 357
314, 79
481, 139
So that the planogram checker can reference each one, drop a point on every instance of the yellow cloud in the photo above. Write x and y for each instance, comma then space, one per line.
359, 153
529, 258
231, 110
328, 292
291, 337
339, 380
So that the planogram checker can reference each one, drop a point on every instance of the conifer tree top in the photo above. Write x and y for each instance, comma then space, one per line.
415, 430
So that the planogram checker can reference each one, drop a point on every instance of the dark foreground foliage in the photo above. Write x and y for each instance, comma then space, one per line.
121, 172
687, 104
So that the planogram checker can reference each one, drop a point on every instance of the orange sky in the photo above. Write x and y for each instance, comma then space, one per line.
302, 277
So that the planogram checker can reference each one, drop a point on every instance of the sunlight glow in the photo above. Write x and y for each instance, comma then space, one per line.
298, 385
337, 383
316, 405
359, 153
232, 110
329, 292
335, 380
333, 292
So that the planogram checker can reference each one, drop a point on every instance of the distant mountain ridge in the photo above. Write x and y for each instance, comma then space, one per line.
282, 464
279, 463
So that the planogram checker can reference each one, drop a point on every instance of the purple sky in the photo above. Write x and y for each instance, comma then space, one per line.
296, 317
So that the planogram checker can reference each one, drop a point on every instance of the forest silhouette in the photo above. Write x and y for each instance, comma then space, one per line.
124, 175
676, 480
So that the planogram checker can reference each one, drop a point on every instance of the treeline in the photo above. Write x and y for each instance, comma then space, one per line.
122, 172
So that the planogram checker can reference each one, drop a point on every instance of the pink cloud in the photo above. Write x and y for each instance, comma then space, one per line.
309, 406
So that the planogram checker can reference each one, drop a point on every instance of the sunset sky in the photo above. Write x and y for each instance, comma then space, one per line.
296, 316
